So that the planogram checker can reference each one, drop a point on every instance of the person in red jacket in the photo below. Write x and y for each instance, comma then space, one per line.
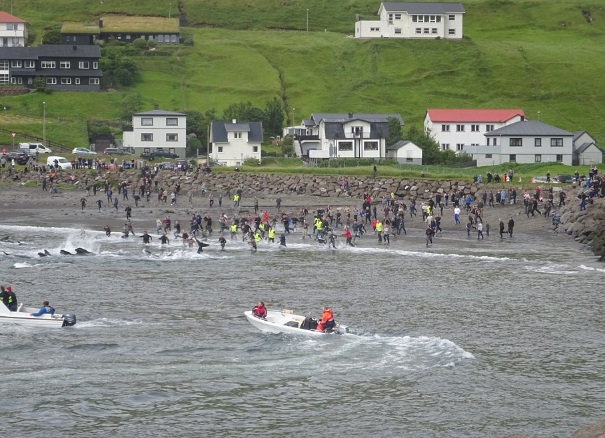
349, 236
327, 322
260, 311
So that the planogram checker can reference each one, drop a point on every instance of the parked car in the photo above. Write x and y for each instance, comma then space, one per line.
83, 151
20, 156
564, 179
537, 179
146, 155
163, 154
32, 148
60, 162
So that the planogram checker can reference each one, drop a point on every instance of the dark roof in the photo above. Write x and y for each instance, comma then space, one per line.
400, 144
159, 112
51, 51
424, 8
220, 129
70, 72
577, 135
529, 128
583, 147
349, 117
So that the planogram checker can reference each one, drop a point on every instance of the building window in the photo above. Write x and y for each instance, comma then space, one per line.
29, 64
128, 37
370, 145
11, 26
255, 149
146, 121
16, 64
556, 142
77, 81
146, 137
397, 16
95, 65
452, 17
219, 149
459, 147
434, 30
374, 29
418, 30
538, 158
93, 81
445, 128
64, 64
51, 81
409, 160
459, 128
65, 81
488, 141
451, 31
537, 143
559, 158
474, 128
512, 158
237, 135
488, 155
516, 142
48, 64
172, 121
445, 146
172, 137
84, 65
30, 80
4, 78
173, 39
426, 30
345, 146
489, 128
160, 38
397, 30
494, 142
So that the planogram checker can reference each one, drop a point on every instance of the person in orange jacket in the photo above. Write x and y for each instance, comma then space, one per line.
260, 311
327, 322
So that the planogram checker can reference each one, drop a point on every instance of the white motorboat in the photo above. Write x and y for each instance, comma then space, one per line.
23, 317
285, 321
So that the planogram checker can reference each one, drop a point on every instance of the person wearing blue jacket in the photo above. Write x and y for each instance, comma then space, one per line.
46, 308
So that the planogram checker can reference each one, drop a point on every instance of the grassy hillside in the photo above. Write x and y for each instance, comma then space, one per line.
541, 56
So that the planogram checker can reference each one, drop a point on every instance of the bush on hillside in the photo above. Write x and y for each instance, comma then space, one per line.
140, 43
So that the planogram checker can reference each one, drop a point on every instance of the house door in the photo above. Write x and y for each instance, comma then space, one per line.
4, 42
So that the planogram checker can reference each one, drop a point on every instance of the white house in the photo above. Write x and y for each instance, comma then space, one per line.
414, 20
157, 130
233, 143
405, 152
343, 135
13, 31
454, 129
525, 142
585, 149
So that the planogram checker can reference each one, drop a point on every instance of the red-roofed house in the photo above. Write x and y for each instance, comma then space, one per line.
455, 128
13, 31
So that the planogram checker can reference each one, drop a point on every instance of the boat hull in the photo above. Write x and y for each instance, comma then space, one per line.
22, 317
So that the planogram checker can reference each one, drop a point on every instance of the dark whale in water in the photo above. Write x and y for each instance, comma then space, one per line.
82, 251
44, 254
63, 252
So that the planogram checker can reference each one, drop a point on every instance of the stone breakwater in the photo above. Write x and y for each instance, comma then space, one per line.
586, 226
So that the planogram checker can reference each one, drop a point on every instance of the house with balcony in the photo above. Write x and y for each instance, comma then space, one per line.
524, 142
423, 20
62, 68
455, 129
343, 135
157, 130
13, 31
122, 28
232, 143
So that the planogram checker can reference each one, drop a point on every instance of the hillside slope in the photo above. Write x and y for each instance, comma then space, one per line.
541, 56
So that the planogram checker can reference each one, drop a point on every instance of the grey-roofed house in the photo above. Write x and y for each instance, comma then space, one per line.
73, 68
157, 130
343, 135
405, 152
232, 143
585, 149
424, 20
524, 142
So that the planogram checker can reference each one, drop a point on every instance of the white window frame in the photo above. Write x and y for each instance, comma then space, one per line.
65, 81
451, 32
219, 149
489, 128
16, 63
50, 80
172, 137
556, 142
48, 64
146, 121
459, 128
95, 65
64, 64
77, 81
172, 121
93, 81
29, 64
474, 128
515, 142
538, 142
84, 65
255, 149
459, 147
452, 17
146, 136
445, 128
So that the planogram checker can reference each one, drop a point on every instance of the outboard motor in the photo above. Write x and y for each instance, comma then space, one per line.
69, 319
341, 329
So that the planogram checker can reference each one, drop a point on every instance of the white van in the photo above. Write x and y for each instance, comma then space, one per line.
35, 147
60, 162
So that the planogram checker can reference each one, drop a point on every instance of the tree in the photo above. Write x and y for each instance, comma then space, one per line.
395, 131
131, 104
243, 111
118, 69
198, 125
430, 149
274, 117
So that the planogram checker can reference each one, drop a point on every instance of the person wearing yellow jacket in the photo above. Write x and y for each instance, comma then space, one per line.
379, 228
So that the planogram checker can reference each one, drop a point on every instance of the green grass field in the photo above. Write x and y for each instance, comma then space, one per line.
541, 56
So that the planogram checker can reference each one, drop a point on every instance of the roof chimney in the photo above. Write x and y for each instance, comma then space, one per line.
156, 107
350, 115
75, 47
100, 23
234, 121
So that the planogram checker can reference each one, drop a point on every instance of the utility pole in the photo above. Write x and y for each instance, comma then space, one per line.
44, 123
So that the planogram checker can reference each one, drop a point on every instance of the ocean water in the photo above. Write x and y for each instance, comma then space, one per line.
463, 339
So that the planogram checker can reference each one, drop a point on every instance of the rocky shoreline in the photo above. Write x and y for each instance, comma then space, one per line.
586, 227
